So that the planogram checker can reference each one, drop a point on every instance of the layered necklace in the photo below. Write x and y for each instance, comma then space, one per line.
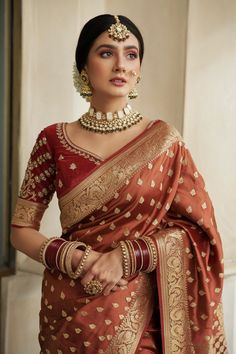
109, 122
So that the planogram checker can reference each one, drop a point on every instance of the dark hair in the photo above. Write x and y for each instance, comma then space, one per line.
93, 28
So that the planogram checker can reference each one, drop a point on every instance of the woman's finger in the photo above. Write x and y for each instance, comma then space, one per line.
115, 288
108, 288
122, 282
87, 278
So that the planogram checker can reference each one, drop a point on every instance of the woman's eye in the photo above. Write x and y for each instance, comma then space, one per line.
105, 54
132, 55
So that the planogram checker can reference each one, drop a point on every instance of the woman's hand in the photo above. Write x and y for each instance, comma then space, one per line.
91, 259
108, 270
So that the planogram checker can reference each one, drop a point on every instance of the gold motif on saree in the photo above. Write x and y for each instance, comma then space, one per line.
28, 214
102, 185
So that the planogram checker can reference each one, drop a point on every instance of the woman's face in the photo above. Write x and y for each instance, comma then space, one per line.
111, 66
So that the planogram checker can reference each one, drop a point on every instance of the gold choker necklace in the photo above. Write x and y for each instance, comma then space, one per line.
109, 122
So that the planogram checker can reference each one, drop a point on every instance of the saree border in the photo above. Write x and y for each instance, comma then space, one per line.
128, 335
99, 187
173, 293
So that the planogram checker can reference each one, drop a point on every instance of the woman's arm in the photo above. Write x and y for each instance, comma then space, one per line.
29, 241
107, 267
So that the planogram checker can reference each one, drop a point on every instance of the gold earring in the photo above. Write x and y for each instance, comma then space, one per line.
81, 83
134, 93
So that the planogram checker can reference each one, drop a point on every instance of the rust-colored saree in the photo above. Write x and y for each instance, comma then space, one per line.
149, 187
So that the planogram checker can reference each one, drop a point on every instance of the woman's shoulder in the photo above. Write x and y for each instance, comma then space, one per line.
166, 129
52, 128
49, 135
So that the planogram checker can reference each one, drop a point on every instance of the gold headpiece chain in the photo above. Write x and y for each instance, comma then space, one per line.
118, 31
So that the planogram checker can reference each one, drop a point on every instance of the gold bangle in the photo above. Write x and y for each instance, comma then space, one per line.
153, 254
63, 257
68, 261
125, 259
42, 251
80, 267
132, 257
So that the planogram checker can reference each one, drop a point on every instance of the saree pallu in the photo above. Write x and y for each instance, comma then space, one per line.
150, 187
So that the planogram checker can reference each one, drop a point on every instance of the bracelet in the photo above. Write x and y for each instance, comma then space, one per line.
140, 254
137, 255
68, 262
62, 258
43, 250
153, 254
51, 251
145, 251
133, 263
58, 255
125, 259
82, 262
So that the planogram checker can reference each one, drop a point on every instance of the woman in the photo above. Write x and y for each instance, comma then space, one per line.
139, 265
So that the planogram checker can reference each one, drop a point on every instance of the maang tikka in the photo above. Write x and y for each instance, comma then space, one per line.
118, 31
81, 83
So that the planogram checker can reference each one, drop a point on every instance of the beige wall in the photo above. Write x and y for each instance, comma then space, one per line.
210, 124
163, 24
49, 39
210, 107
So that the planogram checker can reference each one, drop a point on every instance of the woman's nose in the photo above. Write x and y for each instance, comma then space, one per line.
119, 65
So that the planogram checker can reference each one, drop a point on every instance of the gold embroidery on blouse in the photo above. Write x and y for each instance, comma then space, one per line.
128, 334
101, 185
79, 151
39, 144
28, 188
28, 214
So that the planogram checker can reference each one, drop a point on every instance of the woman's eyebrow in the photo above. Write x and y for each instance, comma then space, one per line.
112, 46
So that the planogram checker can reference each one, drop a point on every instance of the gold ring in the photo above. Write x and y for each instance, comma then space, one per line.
93, 287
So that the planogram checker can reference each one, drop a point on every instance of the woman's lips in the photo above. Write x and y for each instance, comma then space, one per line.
118, 81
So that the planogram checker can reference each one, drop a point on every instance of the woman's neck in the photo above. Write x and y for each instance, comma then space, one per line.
108, 105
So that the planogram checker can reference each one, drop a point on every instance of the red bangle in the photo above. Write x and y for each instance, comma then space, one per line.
145, 253
51, 252
137, 255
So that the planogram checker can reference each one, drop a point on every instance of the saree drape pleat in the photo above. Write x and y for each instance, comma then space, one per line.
149, 187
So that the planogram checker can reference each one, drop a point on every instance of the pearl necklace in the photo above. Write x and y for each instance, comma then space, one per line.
109, 122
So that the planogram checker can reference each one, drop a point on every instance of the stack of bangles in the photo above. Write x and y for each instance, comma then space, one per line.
139, 255
57, 253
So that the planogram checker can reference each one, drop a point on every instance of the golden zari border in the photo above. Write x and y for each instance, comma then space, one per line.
133, 325
28, 214
174, 301
173, 293
100, 186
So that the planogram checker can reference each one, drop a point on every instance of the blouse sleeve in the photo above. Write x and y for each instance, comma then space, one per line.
38, 186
